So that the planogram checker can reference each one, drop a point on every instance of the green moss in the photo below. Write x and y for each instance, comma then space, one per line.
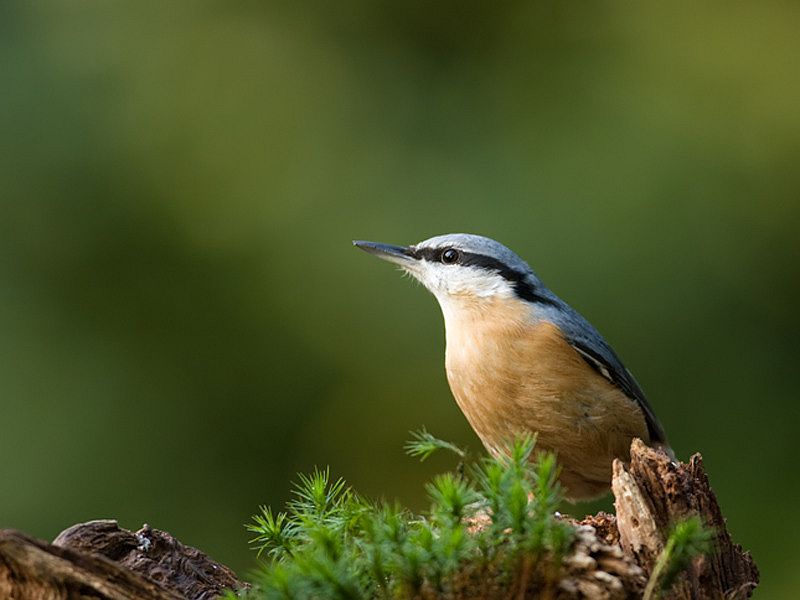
491, 531
482, 525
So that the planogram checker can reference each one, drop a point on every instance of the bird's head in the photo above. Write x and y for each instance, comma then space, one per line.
462, 269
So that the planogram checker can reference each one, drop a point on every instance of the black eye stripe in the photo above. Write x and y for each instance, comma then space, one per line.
468, 259
429, 254
522, 286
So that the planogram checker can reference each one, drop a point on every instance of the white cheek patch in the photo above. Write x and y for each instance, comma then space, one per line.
478, 282
456, 280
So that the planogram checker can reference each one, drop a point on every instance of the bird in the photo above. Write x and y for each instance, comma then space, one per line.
521, 361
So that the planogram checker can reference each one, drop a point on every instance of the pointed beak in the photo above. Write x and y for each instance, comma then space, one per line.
399, 255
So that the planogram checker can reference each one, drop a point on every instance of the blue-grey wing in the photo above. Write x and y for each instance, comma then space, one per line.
591, 346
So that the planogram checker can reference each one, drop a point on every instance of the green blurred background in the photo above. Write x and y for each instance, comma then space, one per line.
185, 324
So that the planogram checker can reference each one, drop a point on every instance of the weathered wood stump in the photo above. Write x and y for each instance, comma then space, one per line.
99, 560
611, 558
653, 492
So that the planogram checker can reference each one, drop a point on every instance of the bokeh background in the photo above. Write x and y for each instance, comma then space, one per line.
184, 324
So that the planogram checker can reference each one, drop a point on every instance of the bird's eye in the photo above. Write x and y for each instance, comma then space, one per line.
450, 256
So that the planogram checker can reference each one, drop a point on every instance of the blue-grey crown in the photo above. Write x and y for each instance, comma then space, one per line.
477, 245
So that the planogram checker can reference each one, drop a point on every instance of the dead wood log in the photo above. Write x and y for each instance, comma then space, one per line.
652, 493
99, 560
32, 569
154, 554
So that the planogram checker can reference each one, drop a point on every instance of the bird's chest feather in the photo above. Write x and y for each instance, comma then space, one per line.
511, 373
493, 367
495, 354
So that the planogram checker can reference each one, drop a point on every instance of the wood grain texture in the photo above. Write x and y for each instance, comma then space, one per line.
652, 493
99, 560
35, 570
155, 554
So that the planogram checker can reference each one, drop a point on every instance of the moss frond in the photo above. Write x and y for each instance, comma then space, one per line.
331, 543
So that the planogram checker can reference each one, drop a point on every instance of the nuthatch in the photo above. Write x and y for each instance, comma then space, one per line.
520, 360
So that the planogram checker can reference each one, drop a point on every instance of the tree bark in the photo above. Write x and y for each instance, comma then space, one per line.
32, 569
99, 560
652, 493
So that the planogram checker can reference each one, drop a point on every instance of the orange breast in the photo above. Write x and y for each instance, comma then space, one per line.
511, 375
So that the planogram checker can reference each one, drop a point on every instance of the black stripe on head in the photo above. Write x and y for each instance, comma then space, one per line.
522, 286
